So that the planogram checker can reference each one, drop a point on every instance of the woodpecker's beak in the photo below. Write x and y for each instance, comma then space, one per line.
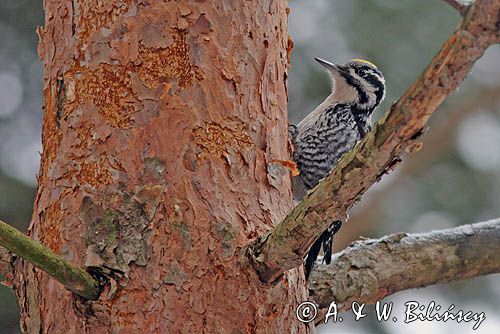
331, 67
326, 64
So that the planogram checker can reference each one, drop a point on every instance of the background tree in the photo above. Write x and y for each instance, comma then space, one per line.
213, 131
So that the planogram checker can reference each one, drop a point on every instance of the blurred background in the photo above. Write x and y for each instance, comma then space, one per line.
453, 180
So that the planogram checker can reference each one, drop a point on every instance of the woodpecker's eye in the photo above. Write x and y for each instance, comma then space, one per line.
362, 73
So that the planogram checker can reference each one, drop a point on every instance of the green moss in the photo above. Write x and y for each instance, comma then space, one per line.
108, 227
226, 233
184, 231
153, 167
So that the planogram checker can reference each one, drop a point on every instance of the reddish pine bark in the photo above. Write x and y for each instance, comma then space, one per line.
161, 123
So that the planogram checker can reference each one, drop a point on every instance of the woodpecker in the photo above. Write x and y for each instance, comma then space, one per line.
331, 130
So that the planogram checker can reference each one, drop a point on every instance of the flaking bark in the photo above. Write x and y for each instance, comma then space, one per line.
5, 262
161, 123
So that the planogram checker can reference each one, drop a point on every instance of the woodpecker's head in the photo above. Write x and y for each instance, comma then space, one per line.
358, 82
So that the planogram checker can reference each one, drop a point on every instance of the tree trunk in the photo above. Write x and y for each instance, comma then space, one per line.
161, 124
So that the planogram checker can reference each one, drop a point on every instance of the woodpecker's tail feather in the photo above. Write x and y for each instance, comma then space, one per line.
325, 241
312, 255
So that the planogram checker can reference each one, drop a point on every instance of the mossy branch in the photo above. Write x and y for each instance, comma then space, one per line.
398, 132
370, 270
74, 279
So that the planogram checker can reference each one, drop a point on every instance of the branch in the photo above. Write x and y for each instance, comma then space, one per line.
436, 143
284, 247
459, 5
74, 279
370, 270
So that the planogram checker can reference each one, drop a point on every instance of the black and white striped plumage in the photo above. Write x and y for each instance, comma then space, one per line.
332, 130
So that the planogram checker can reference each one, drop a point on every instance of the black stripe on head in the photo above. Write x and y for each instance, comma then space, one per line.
379, 87
353, 82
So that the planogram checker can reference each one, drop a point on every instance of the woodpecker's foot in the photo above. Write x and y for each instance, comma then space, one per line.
292, 132
292, 135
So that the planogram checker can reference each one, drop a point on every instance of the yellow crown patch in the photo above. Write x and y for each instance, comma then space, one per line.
365, 61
